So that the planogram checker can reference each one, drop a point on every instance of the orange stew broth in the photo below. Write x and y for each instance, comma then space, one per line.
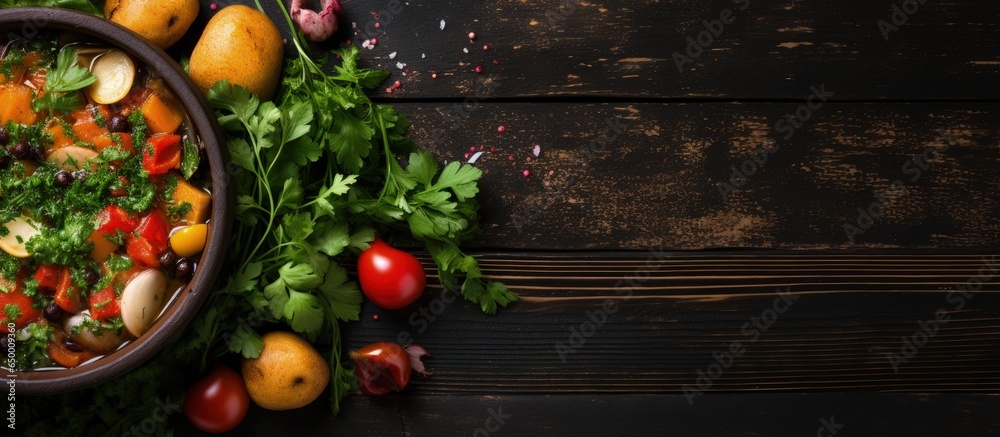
110, 177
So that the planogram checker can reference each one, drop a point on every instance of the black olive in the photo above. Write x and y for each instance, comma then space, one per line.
46, 291
38, 153
91, 277
119, 123
63, 178
72, 346
54, 312
4, 162
20, 151
184, 269
4, 137
168, 260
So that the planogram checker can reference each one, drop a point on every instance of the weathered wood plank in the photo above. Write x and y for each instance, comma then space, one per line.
625, 176
572, 415
771, 50
657, 322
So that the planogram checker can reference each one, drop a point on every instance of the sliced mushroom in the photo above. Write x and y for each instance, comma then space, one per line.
115, 73
71, 157
20, 232
102, 342
142, 301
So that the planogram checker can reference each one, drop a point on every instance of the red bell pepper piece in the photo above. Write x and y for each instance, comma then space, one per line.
48, 277
142, 252
155, 228
67, 294
163, 153
104, 304
25, 313
115, 218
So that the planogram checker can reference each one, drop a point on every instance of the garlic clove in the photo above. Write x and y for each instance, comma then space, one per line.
142, 301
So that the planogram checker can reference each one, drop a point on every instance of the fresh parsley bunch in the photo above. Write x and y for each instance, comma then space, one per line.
320, 173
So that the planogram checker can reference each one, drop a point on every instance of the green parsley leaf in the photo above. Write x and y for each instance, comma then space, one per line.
190, 159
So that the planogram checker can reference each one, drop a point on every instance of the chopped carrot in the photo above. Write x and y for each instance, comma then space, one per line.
122, 140
160, 116
17, 73
87, 113
15, 104
88, 131
59, 353
199, 200
31, 58
59, 137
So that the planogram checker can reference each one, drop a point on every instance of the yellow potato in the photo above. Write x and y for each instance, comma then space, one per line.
289, 373
242, 45
162, 22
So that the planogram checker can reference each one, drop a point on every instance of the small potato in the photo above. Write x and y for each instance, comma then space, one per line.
162, 22
242, 45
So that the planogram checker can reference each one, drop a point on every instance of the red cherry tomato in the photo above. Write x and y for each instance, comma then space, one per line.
390, 278
218, 402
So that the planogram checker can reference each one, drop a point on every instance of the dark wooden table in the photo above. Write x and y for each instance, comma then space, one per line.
765, 218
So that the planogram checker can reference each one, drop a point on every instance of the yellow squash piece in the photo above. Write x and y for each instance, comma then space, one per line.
190, 240
198, 199
115, 73
20, 232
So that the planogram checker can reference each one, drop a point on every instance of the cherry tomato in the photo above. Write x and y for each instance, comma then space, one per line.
218, 402
381, 368
390, 278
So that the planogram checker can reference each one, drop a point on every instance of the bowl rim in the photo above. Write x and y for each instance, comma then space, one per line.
38, 20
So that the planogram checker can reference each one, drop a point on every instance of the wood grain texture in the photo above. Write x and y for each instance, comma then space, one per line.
650, 415
558, 82
657, 182
667, 316
773, 50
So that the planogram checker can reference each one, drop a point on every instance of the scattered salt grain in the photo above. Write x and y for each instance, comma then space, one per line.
442, 24
400, 65
465, 49
392, 55
422, 56
537, 150
475, 157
